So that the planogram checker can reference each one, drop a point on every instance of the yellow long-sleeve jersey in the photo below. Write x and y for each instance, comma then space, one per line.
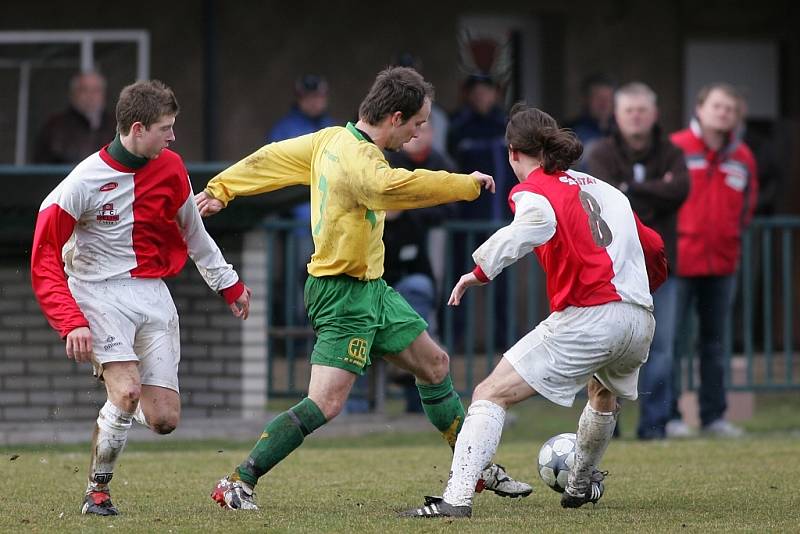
351, 186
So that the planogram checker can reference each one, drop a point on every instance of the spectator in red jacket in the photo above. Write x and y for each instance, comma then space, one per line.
724, 188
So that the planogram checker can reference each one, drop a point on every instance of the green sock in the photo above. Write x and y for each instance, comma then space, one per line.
281, 436
443, 407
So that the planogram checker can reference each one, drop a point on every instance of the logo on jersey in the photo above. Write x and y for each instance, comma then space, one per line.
357, 351
109, 186
110, 343
107, 214
577, 180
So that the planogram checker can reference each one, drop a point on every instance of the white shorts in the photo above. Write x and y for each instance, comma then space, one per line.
132, 319
560, 356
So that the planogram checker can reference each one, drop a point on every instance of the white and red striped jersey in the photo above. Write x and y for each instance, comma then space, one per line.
108, 221
592, 247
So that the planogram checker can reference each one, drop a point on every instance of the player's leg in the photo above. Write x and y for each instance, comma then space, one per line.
111, 433
483, 426
625, 332
342, 312
159, 409
158, 343
595, 428
327, 393
430, 364
477, 442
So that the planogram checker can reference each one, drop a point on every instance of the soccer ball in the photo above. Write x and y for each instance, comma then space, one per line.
556, 458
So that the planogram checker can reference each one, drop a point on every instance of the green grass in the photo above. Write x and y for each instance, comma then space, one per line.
356, 484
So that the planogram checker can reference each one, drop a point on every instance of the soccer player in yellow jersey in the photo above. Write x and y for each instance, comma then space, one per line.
356, 316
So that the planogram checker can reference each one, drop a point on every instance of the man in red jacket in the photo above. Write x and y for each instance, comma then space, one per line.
723, 194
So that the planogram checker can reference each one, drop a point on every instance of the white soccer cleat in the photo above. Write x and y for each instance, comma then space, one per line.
494, 478
234, 495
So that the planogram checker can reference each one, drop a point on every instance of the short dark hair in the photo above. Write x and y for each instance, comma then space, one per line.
146, 102
535, 133
395, 89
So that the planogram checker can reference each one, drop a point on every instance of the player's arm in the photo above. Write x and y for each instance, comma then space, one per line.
655, 258
383, 188
54, 226
534, 225
217, 273
271, 167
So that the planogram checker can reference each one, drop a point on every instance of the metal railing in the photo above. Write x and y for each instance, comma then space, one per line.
492, 319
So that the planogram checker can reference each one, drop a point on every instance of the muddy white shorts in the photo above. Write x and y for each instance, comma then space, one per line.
132, 319
560, 356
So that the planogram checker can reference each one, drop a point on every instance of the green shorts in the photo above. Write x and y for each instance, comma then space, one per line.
355, 320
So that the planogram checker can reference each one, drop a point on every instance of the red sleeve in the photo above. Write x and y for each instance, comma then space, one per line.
54, 227
480, 275
230, 294
655, 259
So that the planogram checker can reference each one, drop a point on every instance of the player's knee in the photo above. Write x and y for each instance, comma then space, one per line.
164, 424
439, 367
330, 408
130, 395
490, 391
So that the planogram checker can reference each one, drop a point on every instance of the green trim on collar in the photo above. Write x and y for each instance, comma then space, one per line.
361, 136
121, 155
355, 131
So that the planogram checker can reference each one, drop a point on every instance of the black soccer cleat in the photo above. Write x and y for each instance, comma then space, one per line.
98, 503
437, 507
571, 498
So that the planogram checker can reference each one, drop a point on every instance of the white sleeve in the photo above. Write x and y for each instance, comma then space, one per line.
533, 225
203, 250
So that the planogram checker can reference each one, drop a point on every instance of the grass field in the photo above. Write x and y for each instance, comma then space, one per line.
355, 485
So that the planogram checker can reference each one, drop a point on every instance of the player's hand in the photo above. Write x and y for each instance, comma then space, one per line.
486, 181
241, 306
79, 344
206, 204
466, 281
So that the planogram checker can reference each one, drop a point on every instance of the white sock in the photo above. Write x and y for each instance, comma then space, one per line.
111, 434
594, 434
476, 445
138, 415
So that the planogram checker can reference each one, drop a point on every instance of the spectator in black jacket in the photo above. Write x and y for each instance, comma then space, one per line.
83, 128
652, 172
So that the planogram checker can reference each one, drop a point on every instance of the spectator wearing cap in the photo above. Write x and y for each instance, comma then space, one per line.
309, 112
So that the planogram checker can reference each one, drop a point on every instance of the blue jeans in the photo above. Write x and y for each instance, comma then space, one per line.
418, 291
713, 298
655, 377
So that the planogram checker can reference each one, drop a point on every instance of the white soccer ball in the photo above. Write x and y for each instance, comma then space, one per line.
556, 458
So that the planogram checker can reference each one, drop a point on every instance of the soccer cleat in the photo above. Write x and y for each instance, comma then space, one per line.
98, 503
437, 507
234, 495
571, 498
494, 478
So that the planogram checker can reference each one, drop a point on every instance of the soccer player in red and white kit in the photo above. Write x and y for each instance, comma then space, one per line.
122, 220
601, 265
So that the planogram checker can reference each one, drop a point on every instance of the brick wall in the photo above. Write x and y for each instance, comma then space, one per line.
38, 382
